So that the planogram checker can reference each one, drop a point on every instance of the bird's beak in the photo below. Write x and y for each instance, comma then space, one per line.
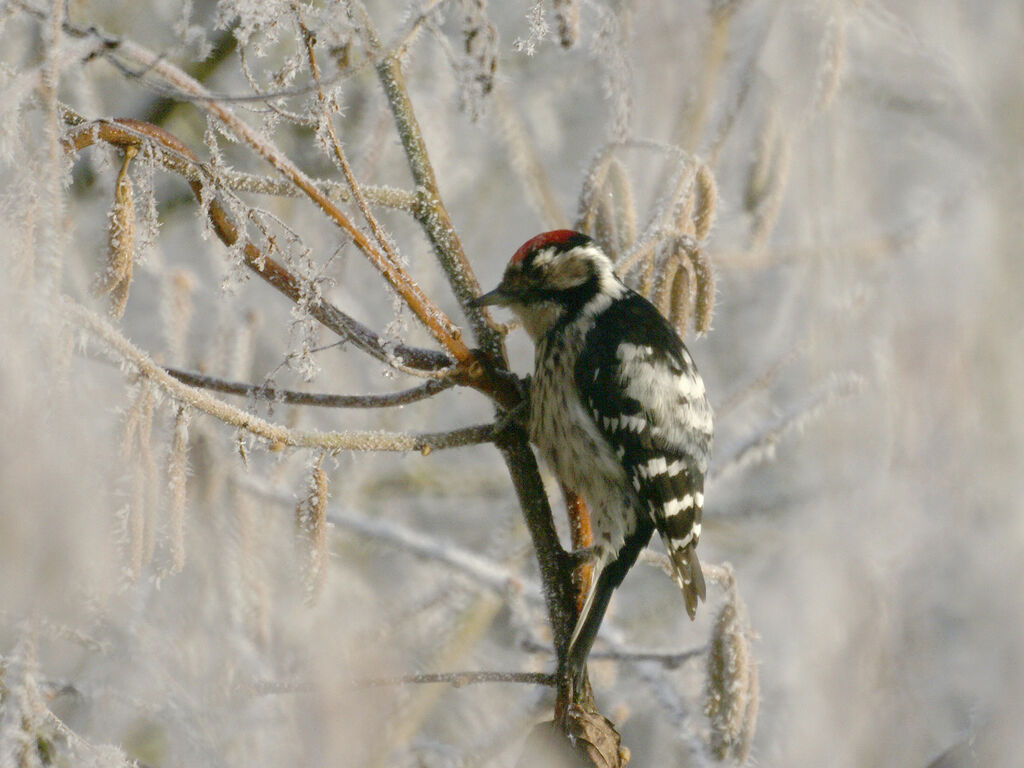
495, 297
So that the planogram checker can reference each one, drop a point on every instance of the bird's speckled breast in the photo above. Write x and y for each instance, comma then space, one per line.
570, 442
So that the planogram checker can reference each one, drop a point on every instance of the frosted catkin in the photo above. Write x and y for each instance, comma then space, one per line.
567, 16
177, 473
136, 434
176, 313
625, 207
731, 689
681, 297
117, 276
707, 202
311, 520
705, 299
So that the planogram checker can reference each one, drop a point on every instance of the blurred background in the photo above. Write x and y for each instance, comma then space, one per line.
865, 359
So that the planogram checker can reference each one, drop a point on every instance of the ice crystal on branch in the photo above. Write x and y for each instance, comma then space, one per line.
539, 30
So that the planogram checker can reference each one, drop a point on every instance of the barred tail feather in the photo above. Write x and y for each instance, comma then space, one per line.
609, 570
688, 575
589, 621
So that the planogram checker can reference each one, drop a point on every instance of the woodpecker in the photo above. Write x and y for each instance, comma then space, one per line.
617, 411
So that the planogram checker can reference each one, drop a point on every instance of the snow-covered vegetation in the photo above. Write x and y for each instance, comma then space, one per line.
258, 501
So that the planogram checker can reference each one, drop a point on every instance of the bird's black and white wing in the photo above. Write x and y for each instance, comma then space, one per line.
647, 399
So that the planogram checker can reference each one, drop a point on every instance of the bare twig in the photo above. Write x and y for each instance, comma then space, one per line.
481, 571
328, 125
354, 440
387, 197
455, 679
668, 659
762, 446
460, 679
291, 397
429, 314
177, 157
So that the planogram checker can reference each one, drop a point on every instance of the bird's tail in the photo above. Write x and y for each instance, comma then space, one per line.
688, 574
589, 620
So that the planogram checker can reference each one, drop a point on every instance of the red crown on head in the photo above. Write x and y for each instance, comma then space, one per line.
559, 238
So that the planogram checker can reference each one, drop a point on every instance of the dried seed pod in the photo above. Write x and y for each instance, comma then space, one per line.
731, 690
117, 275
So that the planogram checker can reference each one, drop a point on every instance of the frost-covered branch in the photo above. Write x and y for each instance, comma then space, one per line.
118, 346
460, 679
762, 447
386, 197
431, 213
428, 313
175, 156
481, 570
321, 400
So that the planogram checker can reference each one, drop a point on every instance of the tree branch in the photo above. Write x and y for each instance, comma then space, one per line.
177, 157
428, 313
460, 679
290, 397
352, 440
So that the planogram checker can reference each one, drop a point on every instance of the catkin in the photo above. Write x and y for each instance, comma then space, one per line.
707, 201
604, 224
704, 303
593, 185
625, 207
661, 293
684, 286
311, 518
731, 690
567, 14
830, 75
117, 275
135, 449
767, 212
176, 313
177, 472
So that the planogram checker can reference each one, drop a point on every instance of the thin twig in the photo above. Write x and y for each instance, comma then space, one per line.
460, 679
291, 397
668, 659
762, 446
429, 314
455, 679
350, 178
482, 571
175, 156
387, 197
432, 213
352, 440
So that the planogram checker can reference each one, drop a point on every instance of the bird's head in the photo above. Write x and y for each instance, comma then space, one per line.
550, 277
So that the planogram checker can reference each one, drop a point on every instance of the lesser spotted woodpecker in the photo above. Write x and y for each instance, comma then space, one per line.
617, 410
